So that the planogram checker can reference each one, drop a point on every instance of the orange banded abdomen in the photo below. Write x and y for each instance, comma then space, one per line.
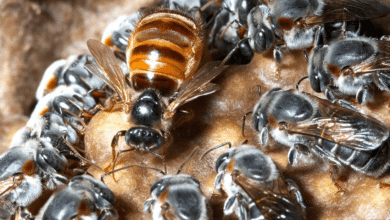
164, 50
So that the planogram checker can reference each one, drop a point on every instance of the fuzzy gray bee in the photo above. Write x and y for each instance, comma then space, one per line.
292, 24
25, 171
229, 28
68, 72
306, 123
176, 195
255, 187
83, 198
68, 101
351, 67
117, 33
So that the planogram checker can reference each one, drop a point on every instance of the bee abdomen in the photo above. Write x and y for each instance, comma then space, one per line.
164, 50
371, 162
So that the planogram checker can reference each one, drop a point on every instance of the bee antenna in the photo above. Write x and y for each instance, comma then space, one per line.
184, 163
216, 147
243, 122
130, 166
245, 142
299, 81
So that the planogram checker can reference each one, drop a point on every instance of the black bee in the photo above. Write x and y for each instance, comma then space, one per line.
306, 123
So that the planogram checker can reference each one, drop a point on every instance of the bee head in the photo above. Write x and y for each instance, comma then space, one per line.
146, 138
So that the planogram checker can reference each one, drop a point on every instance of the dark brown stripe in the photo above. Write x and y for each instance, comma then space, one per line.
165, 85
162, 50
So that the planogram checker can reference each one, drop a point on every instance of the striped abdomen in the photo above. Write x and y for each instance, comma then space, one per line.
371, 162
164, 50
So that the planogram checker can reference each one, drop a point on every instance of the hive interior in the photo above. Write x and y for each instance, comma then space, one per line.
35, 33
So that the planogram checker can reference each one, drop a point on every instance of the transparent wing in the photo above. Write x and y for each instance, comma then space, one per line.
272, 198
342, 126
381, 61
349, 10
197, 86
110, 70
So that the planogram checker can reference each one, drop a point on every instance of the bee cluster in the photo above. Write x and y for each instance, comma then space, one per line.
126, 112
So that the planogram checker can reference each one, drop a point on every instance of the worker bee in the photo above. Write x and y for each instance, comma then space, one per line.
163, 55
350, 67
68, 72
70, 102
255, 187
176, 196
285, 24
338, 133
229, 29
83, 198
27, 170
117, 33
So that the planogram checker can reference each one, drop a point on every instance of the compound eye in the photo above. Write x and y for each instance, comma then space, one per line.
147, 110
159, 186
259, 120
318, 78
315, 82
263, 39
145, 137
50, 158
223, 159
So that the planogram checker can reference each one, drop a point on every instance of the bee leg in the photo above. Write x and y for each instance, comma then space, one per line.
294, 190
336, 177
81, 131
218, 180
108, 213
91, 112
242, 210
294, 152
230, 203
23, 214
384, 79
385, 37
365, 94
148, 204
264, 136
278, 53
346, 104
332, 93
114, 142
